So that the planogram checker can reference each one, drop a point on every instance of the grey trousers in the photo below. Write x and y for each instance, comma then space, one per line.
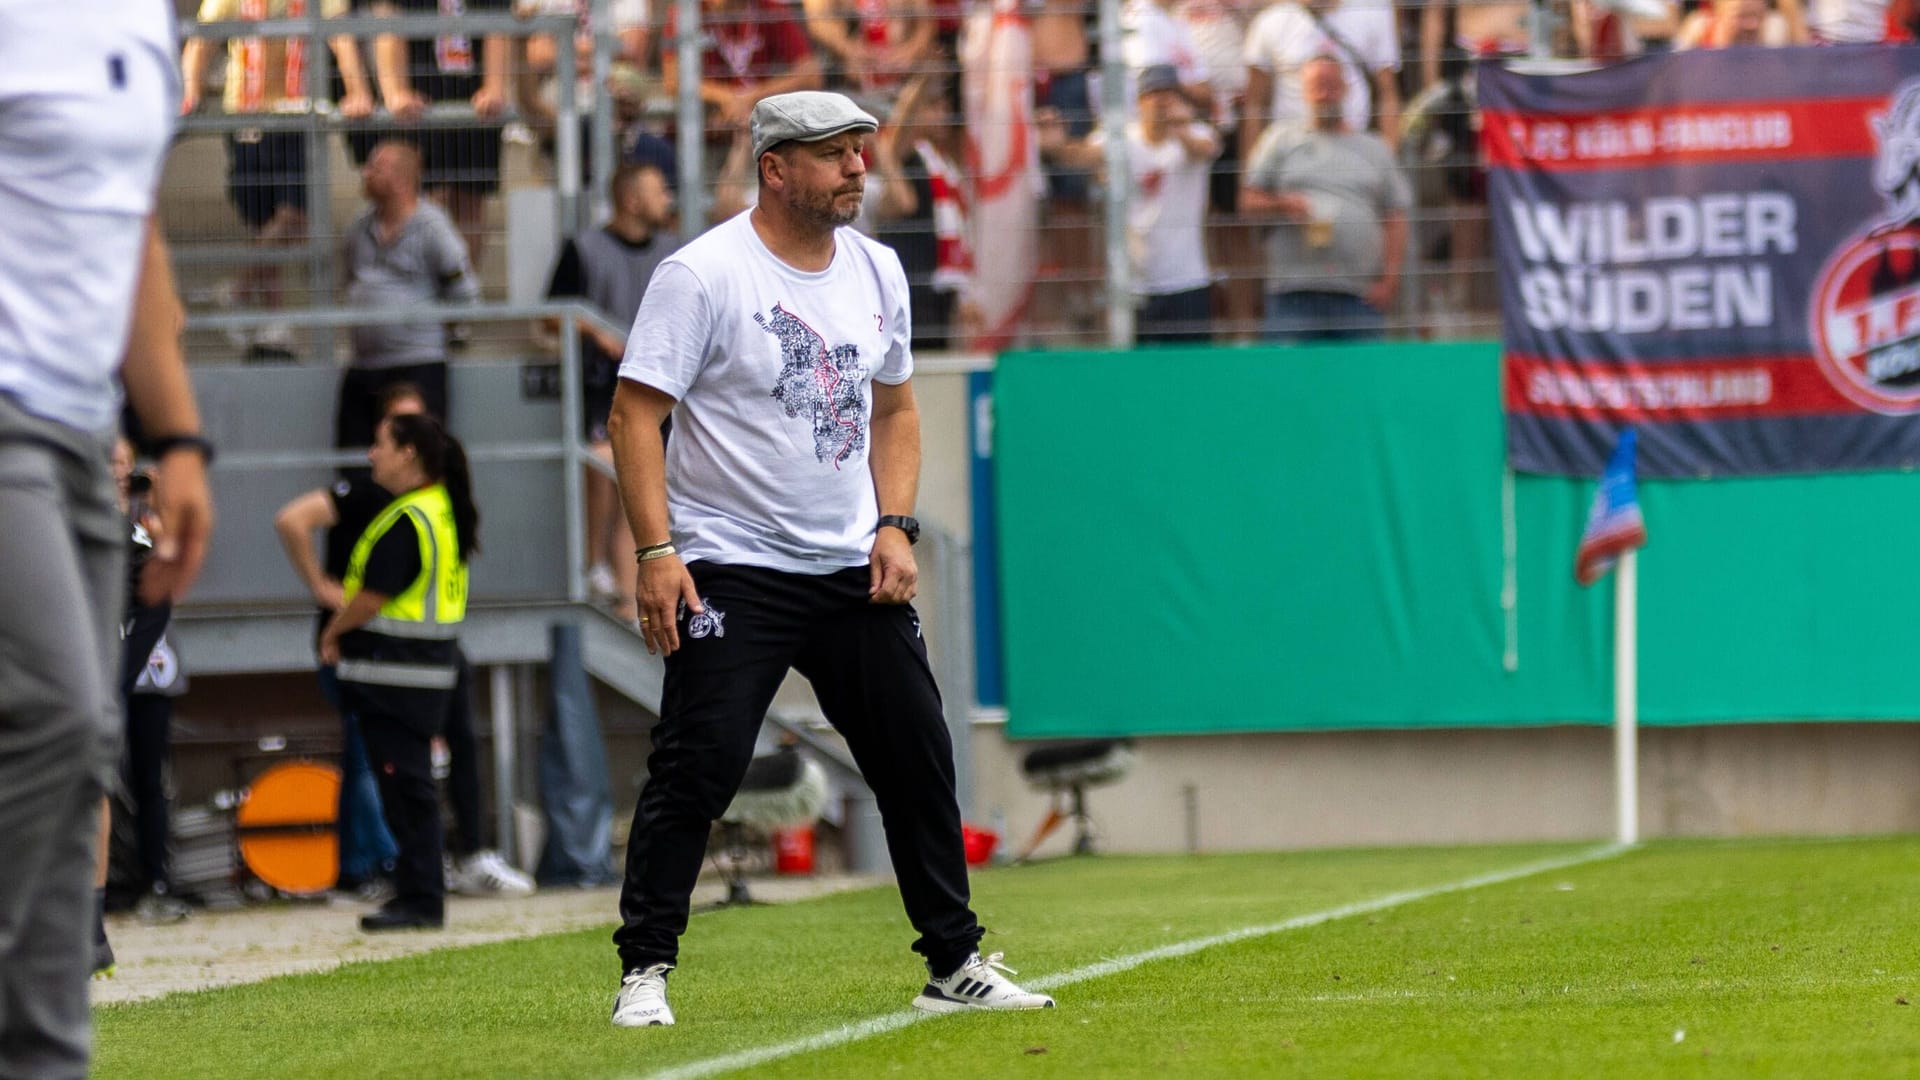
63, 547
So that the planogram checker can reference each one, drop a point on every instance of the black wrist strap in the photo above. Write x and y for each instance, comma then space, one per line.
167, 444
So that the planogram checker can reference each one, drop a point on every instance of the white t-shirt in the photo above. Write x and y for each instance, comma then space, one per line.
1168, 213
87, 106
1848, 21
1222, 44
1152, 36
767, 464
1284, 37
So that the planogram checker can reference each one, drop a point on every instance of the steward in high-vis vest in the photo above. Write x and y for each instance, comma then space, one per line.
395, 644
409, 642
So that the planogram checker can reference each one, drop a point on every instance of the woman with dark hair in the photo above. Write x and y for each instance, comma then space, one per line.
394, 644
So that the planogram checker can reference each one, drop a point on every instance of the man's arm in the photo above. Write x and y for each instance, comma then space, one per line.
804, 74
1393, 235
193, 73
640, 470
1386, 99
390, 71
296, 523
356, 102
1433, 29
1256, 109
155, 376
829, 31
454, 277
895, 461
491, 99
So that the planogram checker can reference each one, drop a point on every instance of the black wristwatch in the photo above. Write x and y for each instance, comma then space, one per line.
908, 525
167, 444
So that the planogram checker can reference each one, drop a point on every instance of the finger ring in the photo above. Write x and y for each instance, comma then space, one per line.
643, 618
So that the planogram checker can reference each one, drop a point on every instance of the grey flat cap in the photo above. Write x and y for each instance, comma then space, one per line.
805, 115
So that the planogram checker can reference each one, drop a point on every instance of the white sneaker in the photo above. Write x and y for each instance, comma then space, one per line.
978, 986
642, 1000
486, 873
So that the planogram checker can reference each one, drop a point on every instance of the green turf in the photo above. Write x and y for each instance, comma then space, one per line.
1786, 958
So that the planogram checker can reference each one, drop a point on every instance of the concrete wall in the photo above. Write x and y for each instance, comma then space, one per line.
1302, 790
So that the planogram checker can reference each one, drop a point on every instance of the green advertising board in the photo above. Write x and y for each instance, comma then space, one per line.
1235, 540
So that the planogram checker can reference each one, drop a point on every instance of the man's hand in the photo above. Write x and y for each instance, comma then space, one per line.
329, 646
181, 523
663, 586
1292, 205
1380, 294
489, 103
1051, 126
737, 110
189, 100
356, 105
895, 576
406, 105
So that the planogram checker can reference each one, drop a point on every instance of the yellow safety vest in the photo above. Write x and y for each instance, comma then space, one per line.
431, 608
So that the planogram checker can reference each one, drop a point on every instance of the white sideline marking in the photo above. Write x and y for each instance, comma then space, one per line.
881, 1025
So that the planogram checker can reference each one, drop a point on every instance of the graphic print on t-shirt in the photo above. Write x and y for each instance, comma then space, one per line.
820, 383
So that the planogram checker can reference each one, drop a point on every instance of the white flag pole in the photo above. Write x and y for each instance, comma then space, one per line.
1626, 698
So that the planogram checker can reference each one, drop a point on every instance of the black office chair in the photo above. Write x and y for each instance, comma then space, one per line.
781, 790
1067, 770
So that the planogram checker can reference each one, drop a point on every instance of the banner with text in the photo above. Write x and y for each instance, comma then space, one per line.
1721, 249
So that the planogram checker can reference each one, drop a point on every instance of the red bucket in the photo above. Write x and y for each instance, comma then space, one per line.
793, 850
979, 844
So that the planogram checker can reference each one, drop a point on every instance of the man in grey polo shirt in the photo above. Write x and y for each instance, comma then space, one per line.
1338, 206
402, 252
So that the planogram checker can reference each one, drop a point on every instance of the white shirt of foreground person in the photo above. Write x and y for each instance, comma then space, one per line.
83, 135
772, 367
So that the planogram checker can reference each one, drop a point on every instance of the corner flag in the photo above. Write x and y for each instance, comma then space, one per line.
1614, 524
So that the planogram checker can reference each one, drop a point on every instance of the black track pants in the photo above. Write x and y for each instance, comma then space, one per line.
868, 666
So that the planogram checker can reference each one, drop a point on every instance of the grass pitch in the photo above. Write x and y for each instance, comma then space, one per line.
1738, 959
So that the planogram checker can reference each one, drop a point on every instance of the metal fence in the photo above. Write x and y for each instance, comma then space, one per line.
1020, 222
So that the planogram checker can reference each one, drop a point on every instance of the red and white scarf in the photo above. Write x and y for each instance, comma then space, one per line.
953, 258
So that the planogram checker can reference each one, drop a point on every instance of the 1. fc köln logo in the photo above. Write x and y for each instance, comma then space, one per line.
1866, 301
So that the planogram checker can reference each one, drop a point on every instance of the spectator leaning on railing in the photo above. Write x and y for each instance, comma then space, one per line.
463, 162
610, 267
1338, 205
871, 45
1169, 153
757, 48
537, 80
267, 170
401, 252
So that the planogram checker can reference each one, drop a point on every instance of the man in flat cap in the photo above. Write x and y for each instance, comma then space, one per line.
776, 532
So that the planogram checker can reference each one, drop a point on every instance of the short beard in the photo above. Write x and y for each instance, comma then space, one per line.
822, 211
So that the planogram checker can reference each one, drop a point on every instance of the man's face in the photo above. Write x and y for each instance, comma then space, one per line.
1164, 107
1324, 86
825, 179
1749, 16
384, 173
647, 198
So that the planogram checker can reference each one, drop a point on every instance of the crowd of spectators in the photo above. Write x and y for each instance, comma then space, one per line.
1230, 114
